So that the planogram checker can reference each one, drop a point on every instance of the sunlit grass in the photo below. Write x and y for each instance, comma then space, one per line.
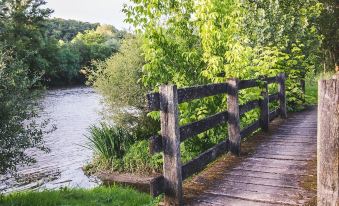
101, 196
311, 95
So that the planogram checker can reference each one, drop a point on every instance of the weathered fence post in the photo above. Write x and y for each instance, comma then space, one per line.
171, 145
328, 143
264, 109
234, 117
282, 95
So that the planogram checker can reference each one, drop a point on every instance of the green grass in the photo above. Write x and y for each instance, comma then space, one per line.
311, 95
101, 196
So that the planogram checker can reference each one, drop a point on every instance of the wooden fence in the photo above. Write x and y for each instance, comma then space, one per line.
167, 101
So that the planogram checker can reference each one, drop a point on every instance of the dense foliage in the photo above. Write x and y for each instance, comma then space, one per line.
19, 129
22, 60
120, 149
193, 42
22, 28
117, 79
329, 27
40, 51
73, 56
66, 30
198, 42
55, 49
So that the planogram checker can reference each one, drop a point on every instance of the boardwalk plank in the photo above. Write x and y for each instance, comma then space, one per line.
209, 199
272, 174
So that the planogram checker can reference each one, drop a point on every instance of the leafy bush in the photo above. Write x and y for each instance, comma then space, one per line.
109, 142
138, 159
118, 149
118, 80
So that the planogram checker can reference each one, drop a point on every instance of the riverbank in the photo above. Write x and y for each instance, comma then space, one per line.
101, 196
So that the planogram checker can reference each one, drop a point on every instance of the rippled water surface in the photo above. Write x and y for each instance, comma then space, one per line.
72, 111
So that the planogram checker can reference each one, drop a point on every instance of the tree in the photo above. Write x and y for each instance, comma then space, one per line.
329, 27
19, 129
24, 31
68, 65
196, 42
192, 42
22, 62
96, 44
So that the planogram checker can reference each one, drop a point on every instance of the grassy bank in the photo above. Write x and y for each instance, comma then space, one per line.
311, 95
101, 196
312, 86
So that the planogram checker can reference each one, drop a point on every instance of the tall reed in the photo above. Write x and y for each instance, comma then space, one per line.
109, 142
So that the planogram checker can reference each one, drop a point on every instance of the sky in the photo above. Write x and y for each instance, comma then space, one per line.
94, 11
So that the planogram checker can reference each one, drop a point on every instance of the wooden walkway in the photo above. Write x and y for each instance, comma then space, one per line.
269, 176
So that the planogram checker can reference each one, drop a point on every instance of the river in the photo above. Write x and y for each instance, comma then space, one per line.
72, 111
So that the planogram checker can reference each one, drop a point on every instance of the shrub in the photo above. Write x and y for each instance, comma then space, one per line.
118, 149
138, 159
118, 80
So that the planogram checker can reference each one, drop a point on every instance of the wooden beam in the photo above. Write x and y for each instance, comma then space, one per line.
188, 94
282, 95
250, 129
264, 119
153, 100
195, 128
171, 144
233, 116
157, 186
274, 97
198, 164
271, 80
198, 92
155, 144
244, 84
248, 107
328, 143
190, 130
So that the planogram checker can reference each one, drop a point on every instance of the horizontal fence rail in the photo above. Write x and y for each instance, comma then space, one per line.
167, 100
188, 94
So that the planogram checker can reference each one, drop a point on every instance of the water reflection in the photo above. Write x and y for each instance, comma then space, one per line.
72, 110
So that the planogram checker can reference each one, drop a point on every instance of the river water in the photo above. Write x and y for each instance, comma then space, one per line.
72, 111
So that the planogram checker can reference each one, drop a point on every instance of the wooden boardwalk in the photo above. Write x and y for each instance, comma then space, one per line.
269, 176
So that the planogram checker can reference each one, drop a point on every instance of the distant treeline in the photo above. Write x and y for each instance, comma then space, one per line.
66, 30
75, 45
54, 50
